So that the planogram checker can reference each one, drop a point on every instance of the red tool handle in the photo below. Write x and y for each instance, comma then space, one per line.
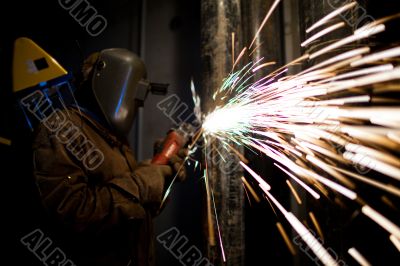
171, 145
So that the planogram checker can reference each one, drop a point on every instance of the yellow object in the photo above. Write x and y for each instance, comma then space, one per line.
32, 65
5, 141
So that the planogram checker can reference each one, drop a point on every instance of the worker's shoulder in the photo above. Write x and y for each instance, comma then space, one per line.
74, 122
66, 118
63, 126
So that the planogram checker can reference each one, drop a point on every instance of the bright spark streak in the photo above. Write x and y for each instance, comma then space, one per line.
378, 56
316, 224
367, 80
219, 230
294, 192
301, 183
264, 185
322, 33
395, 191
305, 234
395, 241
311, 241
271, 10
353, 38
381, 220
211, 236
365, 71
335, 186
286, 238
358, 257
251, 190
390, 159
210, 196
374, 164
263, 65
338, 58
331, 15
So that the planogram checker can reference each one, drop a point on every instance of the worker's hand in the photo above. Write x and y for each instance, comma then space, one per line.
152, 179
176, 162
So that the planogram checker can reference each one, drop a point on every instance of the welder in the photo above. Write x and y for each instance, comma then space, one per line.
105, 213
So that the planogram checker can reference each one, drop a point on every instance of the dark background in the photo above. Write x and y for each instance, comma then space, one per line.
166, 34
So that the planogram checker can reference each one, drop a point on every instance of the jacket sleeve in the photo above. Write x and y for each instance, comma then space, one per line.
77, 201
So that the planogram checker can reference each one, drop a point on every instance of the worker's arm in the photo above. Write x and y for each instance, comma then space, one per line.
86, 204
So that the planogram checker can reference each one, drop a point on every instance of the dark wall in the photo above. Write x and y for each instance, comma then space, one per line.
171, 53
53, 28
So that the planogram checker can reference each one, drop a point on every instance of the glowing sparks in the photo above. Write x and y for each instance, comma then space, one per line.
264, 185
395, 241
250, 189
286, 238
211, 234
351, 39
384, 55
301, 183
271, 10
385, 187
358, 257
227, 120
381, 220
305, 234
331, 15
322, 33
316, 224
294, 192
300, 120
374, 164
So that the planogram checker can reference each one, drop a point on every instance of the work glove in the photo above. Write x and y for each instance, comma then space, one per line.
176, 161
152, 179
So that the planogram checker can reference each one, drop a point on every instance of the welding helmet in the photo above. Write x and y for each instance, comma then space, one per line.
119, 87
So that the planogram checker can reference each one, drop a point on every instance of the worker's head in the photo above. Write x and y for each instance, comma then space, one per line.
116, 78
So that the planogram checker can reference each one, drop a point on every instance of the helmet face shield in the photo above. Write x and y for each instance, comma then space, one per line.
118, 86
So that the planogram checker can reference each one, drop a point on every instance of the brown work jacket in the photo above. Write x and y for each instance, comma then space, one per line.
95, 207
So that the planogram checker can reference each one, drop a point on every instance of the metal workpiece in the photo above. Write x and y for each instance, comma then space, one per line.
219, 20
